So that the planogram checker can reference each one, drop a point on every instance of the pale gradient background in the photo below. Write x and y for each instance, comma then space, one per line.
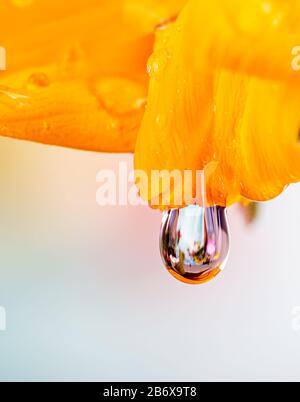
87, 298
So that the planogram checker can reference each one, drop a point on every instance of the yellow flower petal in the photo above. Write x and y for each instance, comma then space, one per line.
223, 90
94, 57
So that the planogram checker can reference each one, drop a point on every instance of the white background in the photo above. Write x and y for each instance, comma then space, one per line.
87, 298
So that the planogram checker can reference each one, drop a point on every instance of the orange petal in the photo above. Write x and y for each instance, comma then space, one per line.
219, 92
94, 59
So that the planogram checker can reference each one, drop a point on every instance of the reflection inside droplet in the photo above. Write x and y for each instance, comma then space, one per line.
194, 243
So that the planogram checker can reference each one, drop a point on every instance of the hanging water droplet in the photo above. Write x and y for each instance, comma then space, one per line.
194, 243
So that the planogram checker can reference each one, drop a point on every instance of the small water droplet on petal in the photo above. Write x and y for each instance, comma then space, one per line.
157, 63
38, 80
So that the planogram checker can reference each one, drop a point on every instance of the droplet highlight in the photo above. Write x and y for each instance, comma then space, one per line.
157, 63
12, 98
194, 243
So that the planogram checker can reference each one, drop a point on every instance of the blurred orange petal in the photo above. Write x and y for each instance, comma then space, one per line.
76, 70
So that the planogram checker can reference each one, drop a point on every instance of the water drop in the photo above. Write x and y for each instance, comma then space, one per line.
38, 80
194, 243
158, 63
120, 96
